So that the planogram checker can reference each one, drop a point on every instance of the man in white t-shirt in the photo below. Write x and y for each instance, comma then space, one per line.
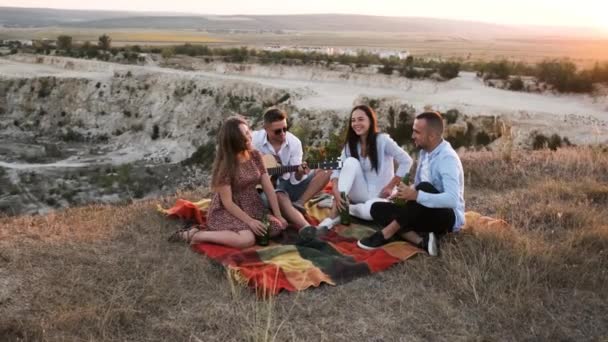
293, 188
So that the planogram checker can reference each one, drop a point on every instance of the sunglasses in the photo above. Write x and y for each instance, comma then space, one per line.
280, 130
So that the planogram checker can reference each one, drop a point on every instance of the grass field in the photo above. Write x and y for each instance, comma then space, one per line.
105, 273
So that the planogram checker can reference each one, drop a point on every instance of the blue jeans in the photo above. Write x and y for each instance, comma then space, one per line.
294, 191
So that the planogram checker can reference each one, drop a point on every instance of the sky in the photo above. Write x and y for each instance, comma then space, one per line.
582, 13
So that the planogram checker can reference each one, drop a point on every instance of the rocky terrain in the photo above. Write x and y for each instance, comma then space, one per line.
77, 131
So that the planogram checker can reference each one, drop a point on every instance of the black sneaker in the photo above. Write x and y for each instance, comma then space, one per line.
307, 232
429, 244
373, 241
322, 231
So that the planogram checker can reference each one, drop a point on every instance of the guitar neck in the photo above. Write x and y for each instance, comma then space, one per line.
279, 170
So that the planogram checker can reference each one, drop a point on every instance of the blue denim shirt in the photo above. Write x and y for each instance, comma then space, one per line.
447, 176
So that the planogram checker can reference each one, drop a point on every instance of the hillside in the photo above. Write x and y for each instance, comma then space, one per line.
106, 273
74, 132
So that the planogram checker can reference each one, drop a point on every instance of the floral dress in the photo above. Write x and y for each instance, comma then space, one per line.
244, 195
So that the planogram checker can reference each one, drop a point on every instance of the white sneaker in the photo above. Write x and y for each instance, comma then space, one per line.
431, 245
329, 222
326, 202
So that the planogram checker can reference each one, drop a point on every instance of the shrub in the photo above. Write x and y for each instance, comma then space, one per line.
155, 132
204, 156
409, 72
138, 127
283, 98
562, 74
451, 116
104, 42
44, 89
555, 141
599, 73
92, 53
482, 138
400, 125
374, 103
501, 70
167, 53
516, 84
462, 139
386, 69
541, 141
449, 70
64, 42
72, 135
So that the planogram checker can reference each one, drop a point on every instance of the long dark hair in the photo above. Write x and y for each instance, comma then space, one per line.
231, 142
352, 138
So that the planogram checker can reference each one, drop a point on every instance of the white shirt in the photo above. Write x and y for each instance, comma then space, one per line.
290, 152
388, 152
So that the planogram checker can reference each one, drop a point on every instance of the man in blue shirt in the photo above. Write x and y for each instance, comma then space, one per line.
435, 204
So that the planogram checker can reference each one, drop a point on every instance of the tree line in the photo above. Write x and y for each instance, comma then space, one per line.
561, 74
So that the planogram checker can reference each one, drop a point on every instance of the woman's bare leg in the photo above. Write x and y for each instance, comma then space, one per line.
241, 239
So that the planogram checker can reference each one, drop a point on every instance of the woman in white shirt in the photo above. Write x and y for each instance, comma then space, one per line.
368, 172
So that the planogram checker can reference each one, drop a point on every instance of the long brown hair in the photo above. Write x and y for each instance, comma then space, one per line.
231, 142
352, 139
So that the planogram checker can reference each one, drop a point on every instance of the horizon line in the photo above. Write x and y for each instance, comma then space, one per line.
195, 14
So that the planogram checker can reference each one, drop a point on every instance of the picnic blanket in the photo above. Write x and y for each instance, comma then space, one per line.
293, 264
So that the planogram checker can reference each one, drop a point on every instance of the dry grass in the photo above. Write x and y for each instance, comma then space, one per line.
105, 273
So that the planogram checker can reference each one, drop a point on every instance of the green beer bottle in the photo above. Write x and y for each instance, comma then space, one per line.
400, 201
344, 214
264, 239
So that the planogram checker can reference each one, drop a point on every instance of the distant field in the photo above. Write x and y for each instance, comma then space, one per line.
584, 52
119, 37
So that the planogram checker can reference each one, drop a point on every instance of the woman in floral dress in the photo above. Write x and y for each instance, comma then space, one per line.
236, 211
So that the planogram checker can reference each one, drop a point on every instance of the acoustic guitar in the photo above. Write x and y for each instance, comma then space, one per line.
274, 168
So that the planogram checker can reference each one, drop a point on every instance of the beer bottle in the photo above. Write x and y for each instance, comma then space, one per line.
400, 201
344, 214
264, 239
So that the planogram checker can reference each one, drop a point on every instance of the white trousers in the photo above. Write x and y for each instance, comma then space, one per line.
353, 183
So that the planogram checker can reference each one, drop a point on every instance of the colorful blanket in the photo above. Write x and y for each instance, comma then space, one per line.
292, 264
